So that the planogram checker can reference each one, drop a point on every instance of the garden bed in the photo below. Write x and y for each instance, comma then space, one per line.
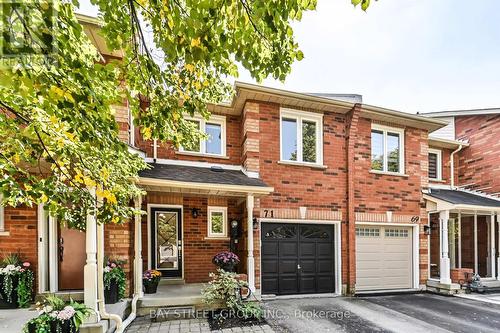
221, 319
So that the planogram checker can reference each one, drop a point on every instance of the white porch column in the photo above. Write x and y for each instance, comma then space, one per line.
459, 240
250, 259
90, 269
444, 271
138, 249
476, 266
493, 249
498, 258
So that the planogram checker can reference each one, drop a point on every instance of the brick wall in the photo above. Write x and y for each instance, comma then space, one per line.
119, 244
479, 164
21, 223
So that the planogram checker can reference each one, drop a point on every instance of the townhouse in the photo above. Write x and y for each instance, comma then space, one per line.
315, 193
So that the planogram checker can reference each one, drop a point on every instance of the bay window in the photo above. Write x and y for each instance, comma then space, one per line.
387, 149
301, 137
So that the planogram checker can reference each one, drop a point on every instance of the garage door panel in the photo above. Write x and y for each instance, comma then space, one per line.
324, 249
270, 249
271, 266
307, 266
288, 285
288, 249
325, 266
288, 266
383, 258
284, 246
307, 249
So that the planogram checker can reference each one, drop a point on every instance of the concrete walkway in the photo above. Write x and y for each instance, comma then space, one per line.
144, 325
12, 321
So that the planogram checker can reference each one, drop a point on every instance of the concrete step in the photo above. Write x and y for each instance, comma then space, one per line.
75, 295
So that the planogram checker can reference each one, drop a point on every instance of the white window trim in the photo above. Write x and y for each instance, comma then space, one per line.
216, 209
394, 130
439, 163
300, 116
2, 219
214, 119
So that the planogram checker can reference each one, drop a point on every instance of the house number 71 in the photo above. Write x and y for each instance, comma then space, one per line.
268, 213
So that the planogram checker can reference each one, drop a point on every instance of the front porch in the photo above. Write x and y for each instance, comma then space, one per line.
464, 238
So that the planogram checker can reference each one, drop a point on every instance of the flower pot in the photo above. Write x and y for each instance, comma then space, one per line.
150, 287
66, 326
32, 327
228, 267
4, 298
111, 293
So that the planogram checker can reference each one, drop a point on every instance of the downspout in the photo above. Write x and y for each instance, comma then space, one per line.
137, 269
155, 150
452, 166
100, 279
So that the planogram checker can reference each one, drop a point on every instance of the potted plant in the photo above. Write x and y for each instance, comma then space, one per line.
57, 316
114, 281
226, 260
150, 280
16, 282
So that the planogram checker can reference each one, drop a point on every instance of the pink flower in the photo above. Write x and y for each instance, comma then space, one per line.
113, 265
26, 264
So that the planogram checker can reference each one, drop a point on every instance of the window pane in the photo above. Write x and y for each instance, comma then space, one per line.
393, 152
217, 219
214, 141
377, 150
289, 139
193, 146
432, 165
309, 141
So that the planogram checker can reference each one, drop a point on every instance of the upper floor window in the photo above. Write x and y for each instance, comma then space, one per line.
301, 137
435, 164
215, 129
387, 149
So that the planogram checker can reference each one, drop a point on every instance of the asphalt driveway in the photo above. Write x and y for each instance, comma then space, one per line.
398, 313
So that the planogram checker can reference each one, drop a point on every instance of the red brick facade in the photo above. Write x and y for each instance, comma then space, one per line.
342, 189
479, 164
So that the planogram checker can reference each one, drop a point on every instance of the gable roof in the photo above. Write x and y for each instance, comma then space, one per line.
458, 113
458, 197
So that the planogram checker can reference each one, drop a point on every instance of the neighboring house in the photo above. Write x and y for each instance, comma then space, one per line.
329, 195
468, 200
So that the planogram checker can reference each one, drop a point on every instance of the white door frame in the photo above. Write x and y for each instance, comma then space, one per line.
149, 231
415, 246
337, 225
48, 273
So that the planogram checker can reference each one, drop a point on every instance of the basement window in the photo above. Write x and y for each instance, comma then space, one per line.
217, 222
435, 164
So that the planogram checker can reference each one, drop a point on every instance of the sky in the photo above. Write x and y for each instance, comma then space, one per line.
407, 55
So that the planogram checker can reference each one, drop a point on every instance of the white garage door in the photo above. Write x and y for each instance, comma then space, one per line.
384, 258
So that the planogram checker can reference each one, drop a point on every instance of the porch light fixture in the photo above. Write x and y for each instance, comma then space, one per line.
195, 212
255, 224
427, 229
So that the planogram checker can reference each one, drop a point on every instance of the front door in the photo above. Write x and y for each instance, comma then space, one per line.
166, 241
71, 253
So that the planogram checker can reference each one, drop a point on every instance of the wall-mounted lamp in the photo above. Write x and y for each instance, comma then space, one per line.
255, 224
427, 229
195, 212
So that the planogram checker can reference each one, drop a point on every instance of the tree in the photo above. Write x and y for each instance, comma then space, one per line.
58, 136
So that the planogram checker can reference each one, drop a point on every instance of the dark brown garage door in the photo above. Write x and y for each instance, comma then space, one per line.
297, 258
